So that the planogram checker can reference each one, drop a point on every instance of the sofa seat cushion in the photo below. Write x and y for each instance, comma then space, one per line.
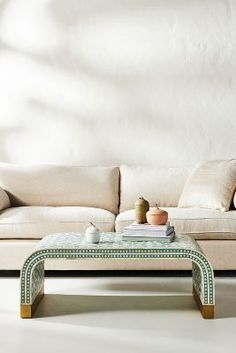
198, 222
32, 222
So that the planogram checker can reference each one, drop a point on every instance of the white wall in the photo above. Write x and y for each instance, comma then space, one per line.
117, 81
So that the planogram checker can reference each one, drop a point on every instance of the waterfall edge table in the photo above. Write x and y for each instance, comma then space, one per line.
73, 245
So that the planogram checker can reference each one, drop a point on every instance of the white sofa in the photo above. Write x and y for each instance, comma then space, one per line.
43, 199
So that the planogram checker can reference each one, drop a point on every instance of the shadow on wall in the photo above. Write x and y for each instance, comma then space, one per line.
103, 82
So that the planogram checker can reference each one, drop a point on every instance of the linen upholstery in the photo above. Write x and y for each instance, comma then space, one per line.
29, 222
52, 185
197, 222
211, 185
4, 199
158, 185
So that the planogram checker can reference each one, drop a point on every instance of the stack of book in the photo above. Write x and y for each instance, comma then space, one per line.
148, 232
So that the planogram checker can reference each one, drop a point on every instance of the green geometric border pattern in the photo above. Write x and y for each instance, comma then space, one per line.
74, 246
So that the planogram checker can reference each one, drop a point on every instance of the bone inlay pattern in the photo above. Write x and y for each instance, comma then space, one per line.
111, 246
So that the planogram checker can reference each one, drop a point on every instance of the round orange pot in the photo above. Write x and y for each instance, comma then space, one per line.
157, 216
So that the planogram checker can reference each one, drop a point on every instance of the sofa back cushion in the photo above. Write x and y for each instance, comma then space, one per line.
158, 185
54, 185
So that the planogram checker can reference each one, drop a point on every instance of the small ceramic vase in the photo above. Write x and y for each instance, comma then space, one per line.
92, 234
141, 208
157, 216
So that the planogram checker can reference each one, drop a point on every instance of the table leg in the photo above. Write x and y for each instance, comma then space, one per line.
27, 310
32, 289
207, 311
203, 290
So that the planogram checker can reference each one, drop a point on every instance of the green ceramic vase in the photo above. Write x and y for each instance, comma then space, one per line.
141, 208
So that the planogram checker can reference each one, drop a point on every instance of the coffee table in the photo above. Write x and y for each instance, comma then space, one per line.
111, 246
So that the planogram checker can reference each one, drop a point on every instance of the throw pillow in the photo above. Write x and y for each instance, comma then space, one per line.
4, 199
210, 185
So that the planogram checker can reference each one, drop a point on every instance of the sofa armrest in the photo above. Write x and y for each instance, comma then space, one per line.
4, 200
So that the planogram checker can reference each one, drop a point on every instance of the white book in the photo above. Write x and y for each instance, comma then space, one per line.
161, 230
133, 237
149, 235
145, 226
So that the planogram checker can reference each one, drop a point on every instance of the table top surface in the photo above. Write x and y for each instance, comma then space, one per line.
113, 241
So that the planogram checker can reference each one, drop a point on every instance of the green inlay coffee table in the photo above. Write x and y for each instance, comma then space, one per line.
74, 246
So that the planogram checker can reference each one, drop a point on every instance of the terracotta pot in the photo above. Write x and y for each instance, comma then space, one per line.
141, 208
157, 216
